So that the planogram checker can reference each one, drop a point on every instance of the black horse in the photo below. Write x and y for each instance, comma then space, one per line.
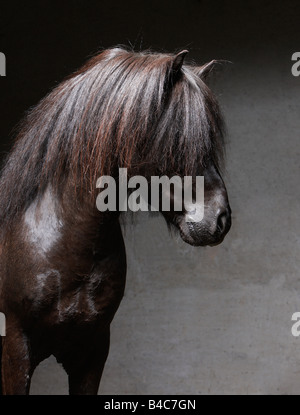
63, 262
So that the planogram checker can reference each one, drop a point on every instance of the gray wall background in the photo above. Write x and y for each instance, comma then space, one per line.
215, 320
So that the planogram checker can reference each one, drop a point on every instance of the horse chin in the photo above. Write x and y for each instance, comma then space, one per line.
198, 241
190, 240
198, 237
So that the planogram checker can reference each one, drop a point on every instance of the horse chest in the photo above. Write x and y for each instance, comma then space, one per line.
72, 283
76, 301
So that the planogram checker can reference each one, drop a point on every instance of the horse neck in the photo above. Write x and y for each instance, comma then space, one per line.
72, 213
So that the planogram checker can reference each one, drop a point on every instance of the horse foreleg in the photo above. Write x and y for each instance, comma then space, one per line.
16, 365
86, 370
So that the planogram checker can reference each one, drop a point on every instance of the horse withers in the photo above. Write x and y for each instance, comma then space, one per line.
63, 262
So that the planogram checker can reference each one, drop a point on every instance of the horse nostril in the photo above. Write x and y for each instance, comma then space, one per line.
222, 221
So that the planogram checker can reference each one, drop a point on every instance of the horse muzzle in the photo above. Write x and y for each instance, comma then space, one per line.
210, 231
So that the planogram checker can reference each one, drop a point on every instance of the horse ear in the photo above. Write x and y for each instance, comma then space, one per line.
175, 69
204, 71
178, 62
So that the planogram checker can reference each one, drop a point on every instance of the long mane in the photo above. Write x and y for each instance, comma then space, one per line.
121, 109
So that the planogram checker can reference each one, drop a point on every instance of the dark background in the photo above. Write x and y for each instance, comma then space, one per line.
45, 41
